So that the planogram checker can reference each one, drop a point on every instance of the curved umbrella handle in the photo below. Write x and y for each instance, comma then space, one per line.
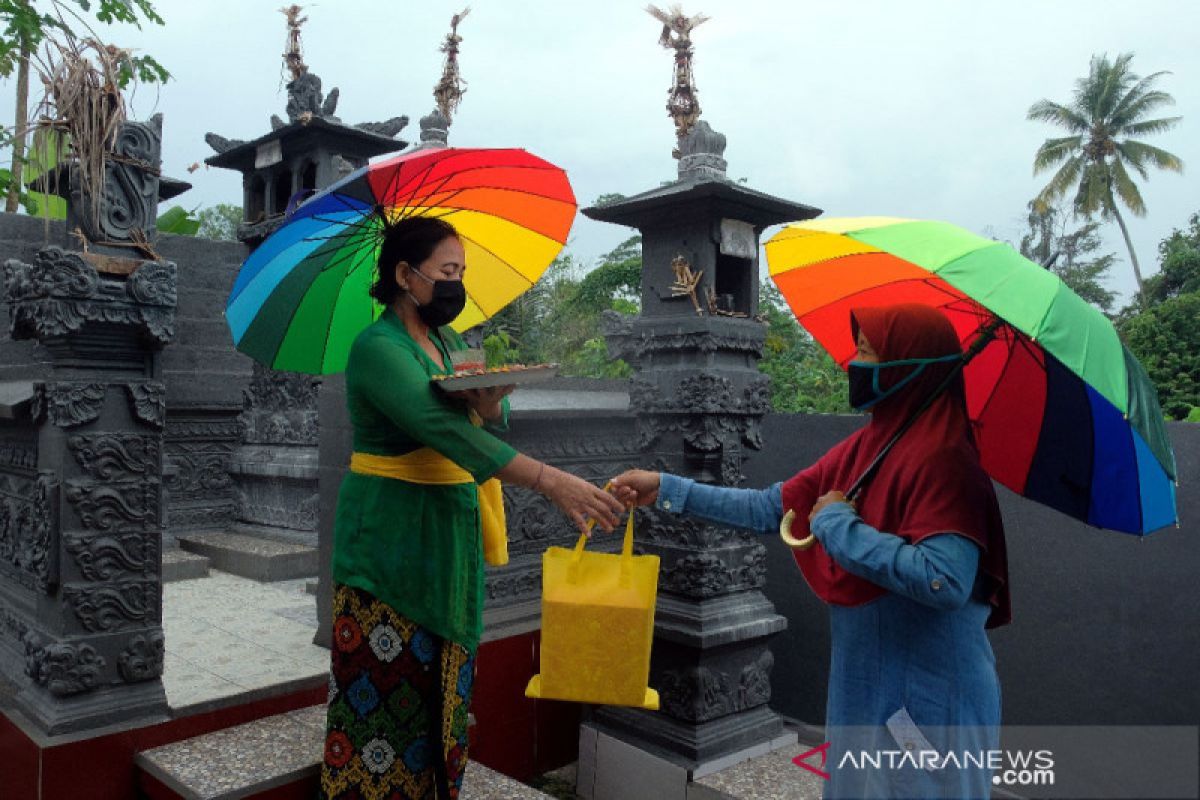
785, 533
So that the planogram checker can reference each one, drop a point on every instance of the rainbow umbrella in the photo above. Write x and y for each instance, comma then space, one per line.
1063, 412
300, 299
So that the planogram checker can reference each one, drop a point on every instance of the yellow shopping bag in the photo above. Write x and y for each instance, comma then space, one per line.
597, 626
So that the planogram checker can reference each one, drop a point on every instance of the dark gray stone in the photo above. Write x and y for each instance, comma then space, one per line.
180, 565
252, 556
699, 403
81, 465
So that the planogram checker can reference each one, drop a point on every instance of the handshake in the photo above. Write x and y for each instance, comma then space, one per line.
587, 505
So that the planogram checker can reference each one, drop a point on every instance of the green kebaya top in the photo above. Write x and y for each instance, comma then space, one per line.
417, 547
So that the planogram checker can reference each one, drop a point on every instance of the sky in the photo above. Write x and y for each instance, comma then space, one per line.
860, 107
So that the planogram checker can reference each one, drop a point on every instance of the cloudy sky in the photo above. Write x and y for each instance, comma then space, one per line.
913, 108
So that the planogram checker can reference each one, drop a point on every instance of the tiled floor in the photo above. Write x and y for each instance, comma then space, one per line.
228, 636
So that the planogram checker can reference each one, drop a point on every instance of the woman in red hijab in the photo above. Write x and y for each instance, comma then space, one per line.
912, 574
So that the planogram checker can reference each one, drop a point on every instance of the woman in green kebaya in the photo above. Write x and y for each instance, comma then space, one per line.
417, 515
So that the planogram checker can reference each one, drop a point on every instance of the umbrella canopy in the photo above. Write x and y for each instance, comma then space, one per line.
1063, 413
300, 299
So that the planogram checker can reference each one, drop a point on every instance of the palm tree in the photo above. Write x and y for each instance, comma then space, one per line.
1110, 105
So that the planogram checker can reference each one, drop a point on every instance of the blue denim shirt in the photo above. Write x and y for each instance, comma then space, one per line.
939, 571
912, 664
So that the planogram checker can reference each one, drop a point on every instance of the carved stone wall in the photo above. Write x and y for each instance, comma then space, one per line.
129, 207
275, 467
81, 492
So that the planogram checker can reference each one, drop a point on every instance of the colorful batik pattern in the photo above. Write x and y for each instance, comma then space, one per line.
398, 702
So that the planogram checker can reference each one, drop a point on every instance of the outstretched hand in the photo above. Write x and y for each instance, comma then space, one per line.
636, 487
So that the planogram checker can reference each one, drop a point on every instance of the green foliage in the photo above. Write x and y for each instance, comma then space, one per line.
219, 222
25, 25
1110, 107
803, 376
1179, 259
1194, 416
559, 319
1166, 340
1069, 254
498, 350
178, 220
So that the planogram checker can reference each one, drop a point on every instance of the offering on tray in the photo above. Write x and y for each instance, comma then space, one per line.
469, 361
471, 374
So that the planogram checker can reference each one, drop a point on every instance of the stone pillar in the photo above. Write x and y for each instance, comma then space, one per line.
699, 400
275, 470
81, 491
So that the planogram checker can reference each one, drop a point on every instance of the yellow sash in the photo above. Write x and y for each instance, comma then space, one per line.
427, 466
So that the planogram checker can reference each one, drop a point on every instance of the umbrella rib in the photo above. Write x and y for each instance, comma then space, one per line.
988, 403
494, 255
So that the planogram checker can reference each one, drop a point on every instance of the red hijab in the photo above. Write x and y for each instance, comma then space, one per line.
931, 482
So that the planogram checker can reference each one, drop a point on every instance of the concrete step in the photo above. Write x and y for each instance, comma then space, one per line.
180, 565
281, 755
253, 557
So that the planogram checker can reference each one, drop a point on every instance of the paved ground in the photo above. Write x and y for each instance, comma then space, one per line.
227, 636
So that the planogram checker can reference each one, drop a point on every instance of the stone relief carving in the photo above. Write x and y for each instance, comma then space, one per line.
698, 694
130, 193
28, 516
105, 609
115, 507
584, 448
200, 470
697, 575
149, 402
67, 405
301, 517
142, 660
116, 456
103, 558
217, 429
515, 585
60, 292
707, 575
18, 453
62, 668
704, 393
281, 408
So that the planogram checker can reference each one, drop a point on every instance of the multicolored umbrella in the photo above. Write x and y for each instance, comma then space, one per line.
302, 296
1064, 413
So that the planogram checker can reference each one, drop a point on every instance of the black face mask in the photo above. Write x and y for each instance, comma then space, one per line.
448, 301
862, 391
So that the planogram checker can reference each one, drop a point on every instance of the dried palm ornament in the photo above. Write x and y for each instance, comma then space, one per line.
450, 88
82, 109
293, 55
683, 105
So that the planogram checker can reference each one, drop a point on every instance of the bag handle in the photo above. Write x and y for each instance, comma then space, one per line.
626, 547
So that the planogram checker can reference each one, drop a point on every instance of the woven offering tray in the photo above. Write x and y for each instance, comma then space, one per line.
513, 374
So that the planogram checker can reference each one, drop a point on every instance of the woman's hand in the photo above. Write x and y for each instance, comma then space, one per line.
828, 499
580, 500
636, 487
485, 402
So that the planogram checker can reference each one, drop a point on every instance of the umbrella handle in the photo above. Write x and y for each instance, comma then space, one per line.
785, 533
